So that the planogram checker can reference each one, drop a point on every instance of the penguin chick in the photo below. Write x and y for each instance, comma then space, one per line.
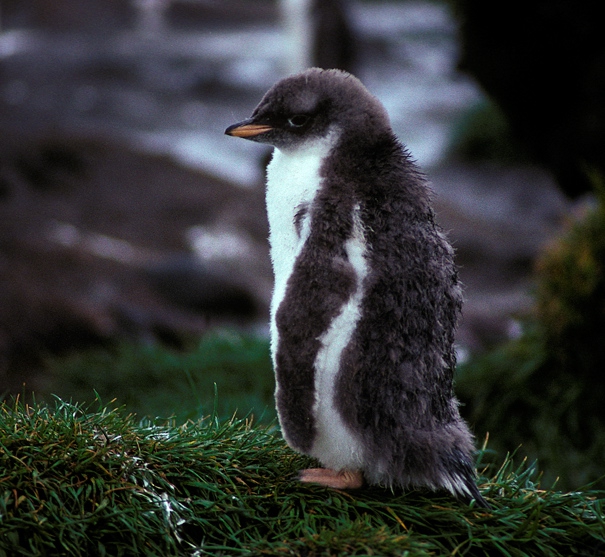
366, 297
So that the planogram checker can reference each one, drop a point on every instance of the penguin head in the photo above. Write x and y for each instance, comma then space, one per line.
310, 106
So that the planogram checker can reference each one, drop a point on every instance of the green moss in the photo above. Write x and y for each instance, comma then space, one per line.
571, 298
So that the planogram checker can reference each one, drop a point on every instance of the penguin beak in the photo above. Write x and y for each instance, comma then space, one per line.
247, 129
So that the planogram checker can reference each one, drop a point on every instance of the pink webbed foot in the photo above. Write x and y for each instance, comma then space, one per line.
344, 479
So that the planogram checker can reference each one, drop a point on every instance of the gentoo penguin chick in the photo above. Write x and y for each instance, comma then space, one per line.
366, 296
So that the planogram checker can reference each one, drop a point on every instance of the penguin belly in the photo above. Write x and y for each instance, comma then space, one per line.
293, 182
336, 446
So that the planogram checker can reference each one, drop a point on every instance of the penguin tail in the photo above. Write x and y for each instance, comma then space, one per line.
471, 492
461, 481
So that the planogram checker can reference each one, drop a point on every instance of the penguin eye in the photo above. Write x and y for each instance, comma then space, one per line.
298, 120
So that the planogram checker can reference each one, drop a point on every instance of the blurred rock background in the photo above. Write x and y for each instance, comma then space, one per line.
125, 212
126, 216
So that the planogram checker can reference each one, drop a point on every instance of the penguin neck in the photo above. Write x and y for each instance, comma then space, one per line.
294, 177
300, 160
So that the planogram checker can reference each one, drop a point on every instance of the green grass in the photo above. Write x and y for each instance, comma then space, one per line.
77, 481
152, 380
504, 392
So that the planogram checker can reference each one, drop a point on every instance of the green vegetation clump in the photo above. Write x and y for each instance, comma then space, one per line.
545, 390
85, 483
152, 380
571, 300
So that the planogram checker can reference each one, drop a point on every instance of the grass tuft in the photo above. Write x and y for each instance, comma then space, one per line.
79, 481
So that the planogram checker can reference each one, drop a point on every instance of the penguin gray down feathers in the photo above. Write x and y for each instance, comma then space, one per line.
366, 297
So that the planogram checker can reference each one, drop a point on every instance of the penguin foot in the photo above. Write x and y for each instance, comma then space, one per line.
343, 479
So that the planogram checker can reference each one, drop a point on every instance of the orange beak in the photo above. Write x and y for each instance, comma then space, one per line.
245, 129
